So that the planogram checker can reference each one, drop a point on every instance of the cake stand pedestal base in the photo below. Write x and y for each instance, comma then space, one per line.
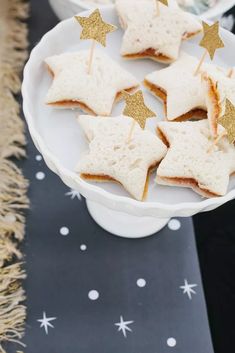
123, 224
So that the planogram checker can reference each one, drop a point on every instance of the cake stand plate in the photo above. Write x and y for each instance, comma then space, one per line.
62, 143
124, 225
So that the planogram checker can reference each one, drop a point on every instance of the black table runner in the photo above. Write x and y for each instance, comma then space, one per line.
89, 291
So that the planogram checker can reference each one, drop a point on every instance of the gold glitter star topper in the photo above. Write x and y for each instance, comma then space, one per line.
228, 120
211, 41
93, 27
136, 109
164, 2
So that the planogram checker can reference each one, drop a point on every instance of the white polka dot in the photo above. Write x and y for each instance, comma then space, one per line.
141, 282
64, 231
40, 175
83, 247
38, 157
93, 295
171, 342
174, 224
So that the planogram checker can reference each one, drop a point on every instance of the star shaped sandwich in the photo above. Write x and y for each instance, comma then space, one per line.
190, 161
151, 35
181, 91
218, 89
95, 93
111, 158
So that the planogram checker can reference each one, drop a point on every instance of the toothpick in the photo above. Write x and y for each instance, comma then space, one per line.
200, 63
157, 8
230, 73
217, 140
91, 57
131, 131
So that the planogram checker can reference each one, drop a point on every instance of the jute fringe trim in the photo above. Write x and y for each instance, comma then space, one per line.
13, 186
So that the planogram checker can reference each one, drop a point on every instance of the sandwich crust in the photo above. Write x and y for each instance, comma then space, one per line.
78, 104
151, 53
107, 178
213, 98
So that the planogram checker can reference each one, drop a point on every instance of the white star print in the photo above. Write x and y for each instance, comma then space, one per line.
123, 326
45, 322
73, 193
188, 289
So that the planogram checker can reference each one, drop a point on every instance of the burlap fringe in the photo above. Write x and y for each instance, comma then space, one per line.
13, 186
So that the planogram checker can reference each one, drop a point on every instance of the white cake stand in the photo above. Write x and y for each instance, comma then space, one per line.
60, 140
67, 8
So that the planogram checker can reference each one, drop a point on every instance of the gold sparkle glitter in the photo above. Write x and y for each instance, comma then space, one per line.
136, 108
228, 120
93, 27
211, 40
164, 2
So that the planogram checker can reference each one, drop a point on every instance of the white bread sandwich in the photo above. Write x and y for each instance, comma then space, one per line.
151, 35
217, 89
193, 160
181, 91
95, 93
113, 157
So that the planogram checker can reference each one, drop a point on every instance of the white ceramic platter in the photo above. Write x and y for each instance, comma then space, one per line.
59, 138
219, 9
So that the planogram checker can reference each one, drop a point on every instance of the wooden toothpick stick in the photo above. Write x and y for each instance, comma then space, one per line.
230, 73
94, 28
200, 63
223, 134
131, 131
216, 141
91, 57
157, 7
